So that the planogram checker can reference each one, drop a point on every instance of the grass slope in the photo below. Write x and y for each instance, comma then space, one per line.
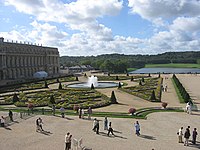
172, 66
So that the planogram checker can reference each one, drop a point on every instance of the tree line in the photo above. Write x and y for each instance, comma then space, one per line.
118, 63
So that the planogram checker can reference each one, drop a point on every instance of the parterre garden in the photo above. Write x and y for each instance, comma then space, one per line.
70, 97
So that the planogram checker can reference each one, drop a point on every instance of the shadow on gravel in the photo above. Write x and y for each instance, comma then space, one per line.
147, 137
111, 136
64, 117
45, 132
197, 145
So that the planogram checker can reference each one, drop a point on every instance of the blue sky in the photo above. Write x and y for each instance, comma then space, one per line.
94, 27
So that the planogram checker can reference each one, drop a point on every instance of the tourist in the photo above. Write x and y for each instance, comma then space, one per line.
165, 88
105, 123
187, 136
10, 115
67, 141
94, 124
194, 136
62, 110
40, 123
82, 113
188, 108
89, 113
2, 121
110, 129
53, 109
70, 141
180, 135
137, 128
37, 125
97, 127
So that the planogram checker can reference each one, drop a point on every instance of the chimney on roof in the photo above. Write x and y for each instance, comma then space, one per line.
1, 39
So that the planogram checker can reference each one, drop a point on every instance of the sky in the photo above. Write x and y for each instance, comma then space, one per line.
95, 27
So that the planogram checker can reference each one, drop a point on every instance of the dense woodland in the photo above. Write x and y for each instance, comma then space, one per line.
118, 63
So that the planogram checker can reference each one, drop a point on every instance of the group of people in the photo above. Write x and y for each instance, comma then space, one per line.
106, 126
164, 88
81, 113
39, 123
187, 136
3, 119
68, 139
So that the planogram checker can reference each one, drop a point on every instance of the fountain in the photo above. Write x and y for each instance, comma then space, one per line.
93, 80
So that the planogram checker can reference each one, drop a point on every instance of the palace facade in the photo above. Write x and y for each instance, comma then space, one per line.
19, 60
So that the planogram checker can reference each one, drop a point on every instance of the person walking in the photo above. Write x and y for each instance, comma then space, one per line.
180, 135
89, 113
80, 113
110, 130
40, 123
105, 123
2, 121
137, 128
94, 124
67, 141
187, 136
194, 136
10, 115
97, 127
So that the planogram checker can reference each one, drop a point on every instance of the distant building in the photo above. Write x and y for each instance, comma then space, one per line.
82, 68
19, 60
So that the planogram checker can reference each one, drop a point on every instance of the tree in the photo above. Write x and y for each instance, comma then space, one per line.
45, 84
117, 78
113, 98
119, 85
140, 83
142, 79
153, 96
52, 100
92, 86
132, 78
15, 98
60, 86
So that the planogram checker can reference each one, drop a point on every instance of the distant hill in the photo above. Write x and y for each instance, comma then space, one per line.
131, 61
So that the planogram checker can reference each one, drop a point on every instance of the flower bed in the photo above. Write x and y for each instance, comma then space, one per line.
144, 91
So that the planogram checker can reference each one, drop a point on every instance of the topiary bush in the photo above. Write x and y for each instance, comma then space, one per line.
113, 98
164, 104
132, 111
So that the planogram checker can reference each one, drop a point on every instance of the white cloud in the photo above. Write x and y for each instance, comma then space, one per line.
152, 9
93, 38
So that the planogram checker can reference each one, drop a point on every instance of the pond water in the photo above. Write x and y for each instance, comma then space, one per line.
99, 85
166, 70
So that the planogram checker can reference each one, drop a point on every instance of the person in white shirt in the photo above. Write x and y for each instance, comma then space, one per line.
67, 141
180, 135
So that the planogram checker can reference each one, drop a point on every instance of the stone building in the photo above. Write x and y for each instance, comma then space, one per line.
19, 60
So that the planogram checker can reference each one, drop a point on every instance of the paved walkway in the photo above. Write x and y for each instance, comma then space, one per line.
158, 132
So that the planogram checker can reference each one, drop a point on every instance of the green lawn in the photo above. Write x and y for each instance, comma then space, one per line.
172, 66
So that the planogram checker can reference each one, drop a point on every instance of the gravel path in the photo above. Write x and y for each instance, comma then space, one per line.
158, 132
